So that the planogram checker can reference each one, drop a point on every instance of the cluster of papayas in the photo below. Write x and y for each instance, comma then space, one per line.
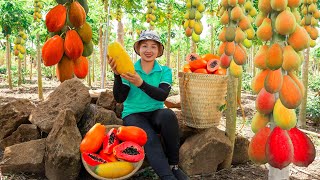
310, 20
279, 91
280, 147
70, 42
192, 19
112, 151
206, 64
169, 11
118, 14
237, 33
19, 48
37, 10
150, 16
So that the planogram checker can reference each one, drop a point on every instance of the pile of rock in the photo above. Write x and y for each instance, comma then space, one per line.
45, 139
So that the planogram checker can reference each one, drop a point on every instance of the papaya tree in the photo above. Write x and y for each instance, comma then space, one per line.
13, 18
278, 85
311, 14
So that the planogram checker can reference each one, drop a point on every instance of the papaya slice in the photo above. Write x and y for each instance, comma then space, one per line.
192, 56
129, 151
110, 141
93, 159
213, 65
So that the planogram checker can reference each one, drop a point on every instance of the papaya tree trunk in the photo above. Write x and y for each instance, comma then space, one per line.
105, 44
120, 33
92, 62
168, 43
252, 56
303, 106
19, 72
25, 63
31, 64
40, 90
212, 40
8, 62
193, 47
101, 35
231, 116
89, 75
239, 89
178, 60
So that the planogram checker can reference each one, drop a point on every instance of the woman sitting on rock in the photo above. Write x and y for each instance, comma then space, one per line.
143, 94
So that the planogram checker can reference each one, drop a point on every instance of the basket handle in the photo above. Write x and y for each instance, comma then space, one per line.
185, 82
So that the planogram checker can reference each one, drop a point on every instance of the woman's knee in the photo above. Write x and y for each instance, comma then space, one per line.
166, 116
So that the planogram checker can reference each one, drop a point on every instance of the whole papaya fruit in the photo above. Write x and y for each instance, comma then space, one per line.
73, 45
77, 14
52, 51
56, 18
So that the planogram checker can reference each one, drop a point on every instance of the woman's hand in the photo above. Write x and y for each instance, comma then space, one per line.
133, 78
113, 65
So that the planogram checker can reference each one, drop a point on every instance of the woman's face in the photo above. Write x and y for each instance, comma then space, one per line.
149, 50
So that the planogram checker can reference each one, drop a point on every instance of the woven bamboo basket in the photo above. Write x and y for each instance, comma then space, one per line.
201, 96
90, 169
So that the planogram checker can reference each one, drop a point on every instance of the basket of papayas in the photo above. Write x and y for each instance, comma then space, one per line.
113, 152
206, 64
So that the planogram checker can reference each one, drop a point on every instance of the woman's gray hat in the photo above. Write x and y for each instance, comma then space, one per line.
148, 35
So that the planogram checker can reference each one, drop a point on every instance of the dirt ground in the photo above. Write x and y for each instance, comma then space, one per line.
246, 171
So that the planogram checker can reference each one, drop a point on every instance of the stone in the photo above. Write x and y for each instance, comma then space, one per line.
97, 114
13, 113
203, 152
173, 102
240, 153
95, 94
71, 94
119, 109
62, 157
26, 157
107, 100
24, 133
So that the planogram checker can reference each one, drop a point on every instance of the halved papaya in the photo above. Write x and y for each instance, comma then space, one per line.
93, 159
110, 141
192, 56
129, 151
213, 65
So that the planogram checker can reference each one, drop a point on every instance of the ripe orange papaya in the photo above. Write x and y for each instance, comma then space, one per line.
52, 51
73, 45
132, 133
56, 18
93, 139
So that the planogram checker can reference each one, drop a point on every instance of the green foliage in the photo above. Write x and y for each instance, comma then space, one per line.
313, 106
314, 82
13, 17
246, 81
3, 69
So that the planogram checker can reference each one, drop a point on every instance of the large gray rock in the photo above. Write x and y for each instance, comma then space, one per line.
173, 102
24, 157
62, 157
240, 153
71, 94
97, 114
13, 113
203, 152
107, 100
24, 133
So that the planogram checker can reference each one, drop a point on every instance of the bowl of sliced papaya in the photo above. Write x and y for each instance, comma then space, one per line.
113, 152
